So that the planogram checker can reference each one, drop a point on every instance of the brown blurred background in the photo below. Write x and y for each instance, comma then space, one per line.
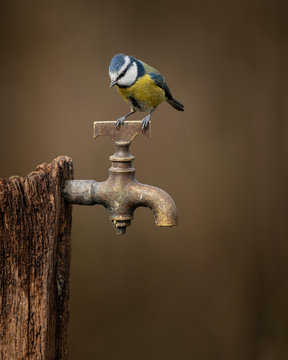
216, 286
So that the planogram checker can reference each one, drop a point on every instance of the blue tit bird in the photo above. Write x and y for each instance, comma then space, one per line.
141, 86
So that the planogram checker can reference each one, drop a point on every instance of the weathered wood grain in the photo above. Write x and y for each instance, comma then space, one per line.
35, 248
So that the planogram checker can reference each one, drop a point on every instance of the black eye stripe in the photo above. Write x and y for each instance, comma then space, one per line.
125, 71
121, 75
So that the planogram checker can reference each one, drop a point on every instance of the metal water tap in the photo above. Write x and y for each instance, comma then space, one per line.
121, 193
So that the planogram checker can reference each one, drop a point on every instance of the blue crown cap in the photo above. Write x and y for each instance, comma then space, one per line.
117, 62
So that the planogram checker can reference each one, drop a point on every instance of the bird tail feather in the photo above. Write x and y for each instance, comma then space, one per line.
176, 104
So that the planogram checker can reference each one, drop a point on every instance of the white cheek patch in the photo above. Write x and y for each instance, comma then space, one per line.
130, 77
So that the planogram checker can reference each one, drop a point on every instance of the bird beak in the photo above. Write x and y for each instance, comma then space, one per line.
113, 82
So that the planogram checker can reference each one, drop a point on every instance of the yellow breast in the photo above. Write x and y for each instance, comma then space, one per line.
143, 95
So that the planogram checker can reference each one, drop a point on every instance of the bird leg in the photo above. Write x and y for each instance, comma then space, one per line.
145, 121
121, 120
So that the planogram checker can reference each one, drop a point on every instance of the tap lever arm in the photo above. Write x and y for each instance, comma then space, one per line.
126, 133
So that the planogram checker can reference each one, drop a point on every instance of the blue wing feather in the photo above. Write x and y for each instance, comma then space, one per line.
160, 81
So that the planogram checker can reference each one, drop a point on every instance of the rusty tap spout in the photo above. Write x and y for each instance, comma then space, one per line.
158, 200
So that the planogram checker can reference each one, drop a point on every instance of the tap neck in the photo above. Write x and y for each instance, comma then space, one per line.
122, 159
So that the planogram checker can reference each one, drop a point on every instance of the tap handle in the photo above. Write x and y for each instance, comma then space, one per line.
126, 133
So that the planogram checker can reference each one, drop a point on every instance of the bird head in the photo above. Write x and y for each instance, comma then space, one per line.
123, 70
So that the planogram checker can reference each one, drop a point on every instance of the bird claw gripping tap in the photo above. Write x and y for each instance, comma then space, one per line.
121, 193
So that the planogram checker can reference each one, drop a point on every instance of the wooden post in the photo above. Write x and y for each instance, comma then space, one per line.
35, 248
